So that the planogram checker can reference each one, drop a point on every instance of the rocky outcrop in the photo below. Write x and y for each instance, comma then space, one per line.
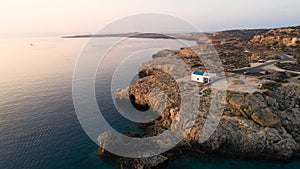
280, 39
275, 40
261, 124
255, 106
143, 163
246, 34
266, 118
264, 124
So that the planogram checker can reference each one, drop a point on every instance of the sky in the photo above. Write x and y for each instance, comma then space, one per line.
89, 16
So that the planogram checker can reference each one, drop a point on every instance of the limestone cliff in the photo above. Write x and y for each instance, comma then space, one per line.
263, 124
281, 39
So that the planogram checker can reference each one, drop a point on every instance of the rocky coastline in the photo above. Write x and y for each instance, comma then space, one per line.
263, 124
260, 124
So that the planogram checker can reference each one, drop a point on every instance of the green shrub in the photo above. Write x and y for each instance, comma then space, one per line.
270, 86
294, 74
207, 92
297, 54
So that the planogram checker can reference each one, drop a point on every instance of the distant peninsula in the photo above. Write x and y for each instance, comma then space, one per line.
129, 35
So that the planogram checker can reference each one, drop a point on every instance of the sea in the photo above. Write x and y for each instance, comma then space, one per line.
39, 128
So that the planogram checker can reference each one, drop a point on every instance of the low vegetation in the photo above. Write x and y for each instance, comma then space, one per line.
290, 66
297, 54
270, 86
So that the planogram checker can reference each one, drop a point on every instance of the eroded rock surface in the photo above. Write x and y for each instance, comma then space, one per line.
260, 124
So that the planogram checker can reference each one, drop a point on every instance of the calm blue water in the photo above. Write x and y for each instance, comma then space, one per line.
38, 124
188, 162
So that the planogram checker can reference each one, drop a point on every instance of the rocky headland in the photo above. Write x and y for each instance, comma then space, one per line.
264, 123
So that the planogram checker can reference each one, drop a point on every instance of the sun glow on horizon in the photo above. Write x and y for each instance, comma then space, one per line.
45, 16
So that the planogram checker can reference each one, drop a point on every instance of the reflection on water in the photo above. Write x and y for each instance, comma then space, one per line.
38, 125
